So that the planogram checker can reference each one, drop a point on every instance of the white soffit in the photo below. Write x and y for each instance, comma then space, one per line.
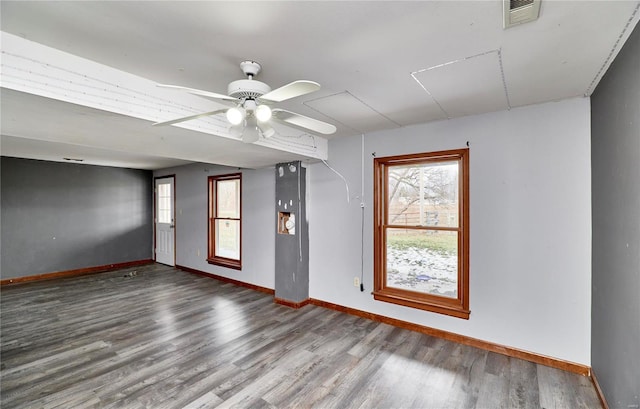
40, 70
34, 117
351, 112
57, 152
479, 81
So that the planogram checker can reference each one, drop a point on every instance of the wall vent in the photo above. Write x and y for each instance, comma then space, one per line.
520, 11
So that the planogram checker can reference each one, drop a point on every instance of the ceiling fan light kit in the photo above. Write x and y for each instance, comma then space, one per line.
266, 130
263, 113
236, 115
251, 117
251, 132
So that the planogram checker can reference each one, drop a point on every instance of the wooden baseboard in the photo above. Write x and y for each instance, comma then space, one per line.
603, 400
462, 339
227, 280
291, 304
76, 272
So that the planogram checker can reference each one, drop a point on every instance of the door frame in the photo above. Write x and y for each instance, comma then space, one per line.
155, 218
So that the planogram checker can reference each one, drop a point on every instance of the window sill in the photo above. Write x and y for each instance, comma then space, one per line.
452, 309
225, 262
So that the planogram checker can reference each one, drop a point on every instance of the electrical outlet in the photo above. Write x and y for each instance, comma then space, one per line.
356, 281
198, 252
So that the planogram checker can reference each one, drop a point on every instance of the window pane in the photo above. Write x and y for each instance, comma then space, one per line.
227, 239
164, 203
423, 260
228, 198
423, 195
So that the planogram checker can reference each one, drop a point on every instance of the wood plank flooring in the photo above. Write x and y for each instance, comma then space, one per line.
163, 338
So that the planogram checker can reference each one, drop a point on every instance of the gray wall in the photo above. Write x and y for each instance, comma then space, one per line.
615, 157
530, 243
59, 216
258, 221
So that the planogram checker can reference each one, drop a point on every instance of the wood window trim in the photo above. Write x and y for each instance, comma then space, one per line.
211, 213
458, 307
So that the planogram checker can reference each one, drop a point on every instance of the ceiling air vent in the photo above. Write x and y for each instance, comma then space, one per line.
520, 11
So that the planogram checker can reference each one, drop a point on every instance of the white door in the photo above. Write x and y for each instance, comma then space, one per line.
165, 221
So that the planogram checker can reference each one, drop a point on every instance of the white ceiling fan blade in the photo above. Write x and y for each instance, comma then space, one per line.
200, 92
189, 118
291, 90
291, 118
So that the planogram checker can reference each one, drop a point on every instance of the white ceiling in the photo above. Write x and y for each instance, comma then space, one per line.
381, 64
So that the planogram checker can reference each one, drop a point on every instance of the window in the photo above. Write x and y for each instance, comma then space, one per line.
225, 220
421, 237
164, 203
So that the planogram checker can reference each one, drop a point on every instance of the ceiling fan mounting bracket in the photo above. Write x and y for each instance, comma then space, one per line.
250, 68
248, 88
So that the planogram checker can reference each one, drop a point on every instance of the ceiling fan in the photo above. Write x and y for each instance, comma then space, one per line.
250, 115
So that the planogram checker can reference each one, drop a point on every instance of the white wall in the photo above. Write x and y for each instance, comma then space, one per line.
258, 221
530, 266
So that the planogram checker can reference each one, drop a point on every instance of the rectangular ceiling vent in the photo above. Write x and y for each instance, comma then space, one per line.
520, 11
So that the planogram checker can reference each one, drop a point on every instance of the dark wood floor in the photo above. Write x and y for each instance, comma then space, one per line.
169, 339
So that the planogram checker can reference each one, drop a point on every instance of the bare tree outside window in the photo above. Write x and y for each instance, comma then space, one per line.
426, 261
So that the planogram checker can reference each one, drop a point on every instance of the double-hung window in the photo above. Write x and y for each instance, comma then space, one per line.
225, 221
421, 237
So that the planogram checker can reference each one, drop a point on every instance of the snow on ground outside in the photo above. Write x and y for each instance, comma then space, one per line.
424, 270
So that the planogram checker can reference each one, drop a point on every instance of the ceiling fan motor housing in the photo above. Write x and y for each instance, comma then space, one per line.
247, 89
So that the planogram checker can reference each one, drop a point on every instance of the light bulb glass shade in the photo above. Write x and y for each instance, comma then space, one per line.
263, 113
236, 115
250, 133
266, 130
236, 131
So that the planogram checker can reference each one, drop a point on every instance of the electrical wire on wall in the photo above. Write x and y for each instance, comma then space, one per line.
362, 207
341, 177
362, 217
